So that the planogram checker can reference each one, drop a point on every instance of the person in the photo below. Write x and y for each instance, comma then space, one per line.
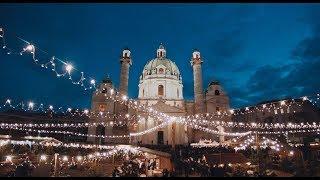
115, 172
21, 171
153, 165
165, 173
143, 168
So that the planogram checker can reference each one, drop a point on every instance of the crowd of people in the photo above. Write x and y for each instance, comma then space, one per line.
191, 160
135, 168
24, 169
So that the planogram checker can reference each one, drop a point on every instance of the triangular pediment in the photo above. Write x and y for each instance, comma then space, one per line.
161, 106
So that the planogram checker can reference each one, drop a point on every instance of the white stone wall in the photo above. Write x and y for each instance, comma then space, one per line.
213, 101
148, 88
181, 134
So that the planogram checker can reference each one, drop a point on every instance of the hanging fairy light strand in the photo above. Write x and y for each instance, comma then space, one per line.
68, 68
193, 123
31, 48
69, 159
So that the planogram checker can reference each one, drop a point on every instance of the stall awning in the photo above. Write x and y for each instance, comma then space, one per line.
155, 152
225, 158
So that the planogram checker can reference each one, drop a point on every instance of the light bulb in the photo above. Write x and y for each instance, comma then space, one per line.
92, 81
65, 158
9, 158
29, 48
79, 158
31, 104
69, 68
43, 157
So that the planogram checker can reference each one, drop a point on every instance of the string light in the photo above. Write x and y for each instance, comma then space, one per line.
31, 48
305, 98
79, 158
43, 157
9, 158
30, 105
65, 158
291, 153
69, 68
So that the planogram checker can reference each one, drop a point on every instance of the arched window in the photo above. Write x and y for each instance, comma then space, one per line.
142, 92
217, 92
160, 90
178, 93
160, 53
161, 71
217, 109
125, 55
102, 107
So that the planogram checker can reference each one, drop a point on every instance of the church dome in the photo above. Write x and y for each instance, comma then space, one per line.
167, 63
160, 78
161, 66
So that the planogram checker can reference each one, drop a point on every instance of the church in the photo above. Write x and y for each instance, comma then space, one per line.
161, 88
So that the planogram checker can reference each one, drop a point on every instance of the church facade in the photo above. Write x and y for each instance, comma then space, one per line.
161, 88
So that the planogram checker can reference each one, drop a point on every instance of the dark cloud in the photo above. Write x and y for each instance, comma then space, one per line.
307, 49
244, 67
292, 80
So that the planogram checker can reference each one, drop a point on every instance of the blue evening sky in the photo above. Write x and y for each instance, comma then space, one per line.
258, 52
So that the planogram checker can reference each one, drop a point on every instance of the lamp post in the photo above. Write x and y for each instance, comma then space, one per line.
112, 161
55, 164
257, 145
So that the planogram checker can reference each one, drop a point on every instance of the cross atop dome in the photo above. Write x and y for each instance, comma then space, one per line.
161, 52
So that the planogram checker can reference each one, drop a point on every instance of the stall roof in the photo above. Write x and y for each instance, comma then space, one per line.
280, 173
155, 152
226, 158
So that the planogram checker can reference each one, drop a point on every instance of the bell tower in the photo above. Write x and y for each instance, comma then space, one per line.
197, 82
125, 62
121, 110
100, 108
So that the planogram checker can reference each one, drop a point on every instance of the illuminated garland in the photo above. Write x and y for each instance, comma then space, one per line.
267, 107
52, 63
211, 131
288, 125
66, 145
133, 118
63, 132
30, 48
266, 142
290, 131
64, 159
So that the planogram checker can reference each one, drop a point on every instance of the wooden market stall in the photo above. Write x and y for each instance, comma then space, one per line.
163, 159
